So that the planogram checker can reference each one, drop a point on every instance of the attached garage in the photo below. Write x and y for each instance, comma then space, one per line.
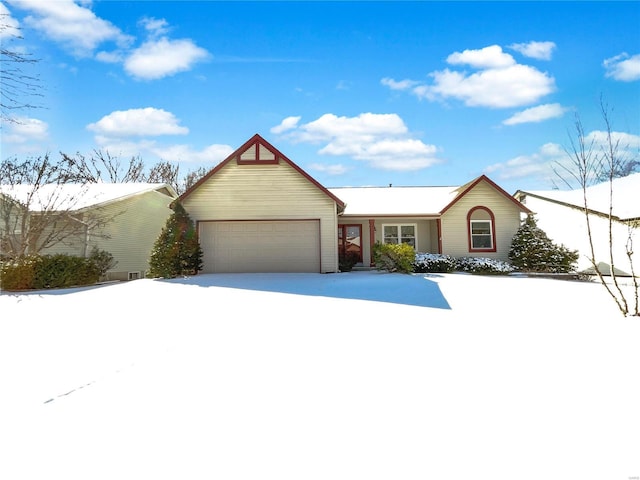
258, 212
260, 246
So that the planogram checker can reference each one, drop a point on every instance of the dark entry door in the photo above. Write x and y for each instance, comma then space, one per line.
350, 240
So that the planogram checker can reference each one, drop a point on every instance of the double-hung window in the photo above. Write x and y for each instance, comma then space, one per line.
482, 235
400, 233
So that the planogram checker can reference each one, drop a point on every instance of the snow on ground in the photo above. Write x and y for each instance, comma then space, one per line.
364, 375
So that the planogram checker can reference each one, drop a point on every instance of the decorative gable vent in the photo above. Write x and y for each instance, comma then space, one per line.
257, 154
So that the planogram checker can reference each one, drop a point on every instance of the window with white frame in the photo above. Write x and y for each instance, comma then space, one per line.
481, 229
481, 236
400, 233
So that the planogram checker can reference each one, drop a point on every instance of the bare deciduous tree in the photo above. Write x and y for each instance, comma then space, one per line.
101, 167
589, 163
18, 88
38, 211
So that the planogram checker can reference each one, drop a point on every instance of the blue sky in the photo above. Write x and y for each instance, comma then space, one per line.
356, 93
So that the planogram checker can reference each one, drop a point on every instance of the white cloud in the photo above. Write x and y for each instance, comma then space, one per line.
172, 153
488, 57
381, 140
138, 122
539, 164
500, 81
76, 27
626, 142
9, 26
398, 85
537, 50
623, 67
286, 124
552, 157
185, 153
155, 26
23, 130
160, 58
336, 169
536, 114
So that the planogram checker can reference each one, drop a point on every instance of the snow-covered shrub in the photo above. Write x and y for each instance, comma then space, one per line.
533, 251
433, 263
394, 257
483, 266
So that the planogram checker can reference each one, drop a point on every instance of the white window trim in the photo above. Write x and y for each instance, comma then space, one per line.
400, 225
491, 246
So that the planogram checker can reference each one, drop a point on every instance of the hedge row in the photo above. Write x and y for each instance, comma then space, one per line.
36, 272
403, 258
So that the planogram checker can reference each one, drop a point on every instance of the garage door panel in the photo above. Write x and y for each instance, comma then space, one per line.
261, 246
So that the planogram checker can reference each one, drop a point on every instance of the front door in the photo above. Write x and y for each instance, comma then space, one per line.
350, 240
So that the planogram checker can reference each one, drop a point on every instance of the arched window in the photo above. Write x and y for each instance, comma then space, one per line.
482, 231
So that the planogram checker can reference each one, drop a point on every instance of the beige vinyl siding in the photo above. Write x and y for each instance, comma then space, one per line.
455, 239
137, 222
267, 192
74, 245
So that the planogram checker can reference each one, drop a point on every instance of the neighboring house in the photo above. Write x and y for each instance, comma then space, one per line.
257, 211
561, 214
123, 219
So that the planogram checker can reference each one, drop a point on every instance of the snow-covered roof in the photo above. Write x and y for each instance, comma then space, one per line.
78, 196
625, 200
404, 201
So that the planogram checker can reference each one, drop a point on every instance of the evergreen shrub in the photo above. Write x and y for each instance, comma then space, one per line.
176, 252
51, 271
394, 257
533, 251
62, 271
18, 274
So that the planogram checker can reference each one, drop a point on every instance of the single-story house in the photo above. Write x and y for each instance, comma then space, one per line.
124, 219
257, 211
561, 214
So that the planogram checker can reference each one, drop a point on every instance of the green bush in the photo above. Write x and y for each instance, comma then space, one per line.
19, 274
533, 251
62, 271
49, 271
484, 266
103, 261
347, 260
434, 263
394, 257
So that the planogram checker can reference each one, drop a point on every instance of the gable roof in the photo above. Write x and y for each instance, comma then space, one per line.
625, 197
410, 201
75, 196
248, 153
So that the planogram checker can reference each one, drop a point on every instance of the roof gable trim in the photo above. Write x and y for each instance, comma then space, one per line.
464, 189
262, 147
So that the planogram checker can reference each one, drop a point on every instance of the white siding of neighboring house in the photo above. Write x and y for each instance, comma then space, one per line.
266, 192
567, 226
137, 223
455, 240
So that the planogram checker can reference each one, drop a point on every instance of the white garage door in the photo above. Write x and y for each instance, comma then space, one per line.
261, 246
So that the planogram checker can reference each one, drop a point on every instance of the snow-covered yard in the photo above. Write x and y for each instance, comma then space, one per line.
364, 375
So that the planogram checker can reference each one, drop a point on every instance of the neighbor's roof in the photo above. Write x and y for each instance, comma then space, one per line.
625, 200
76, 196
